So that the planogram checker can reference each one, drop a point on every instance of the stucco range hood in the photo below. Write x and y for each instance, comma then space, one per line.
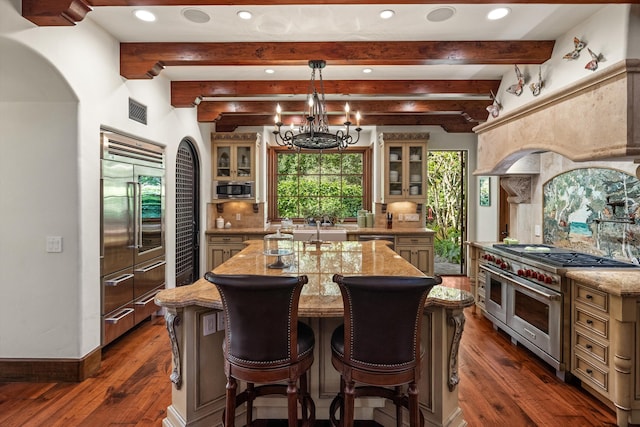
596, 118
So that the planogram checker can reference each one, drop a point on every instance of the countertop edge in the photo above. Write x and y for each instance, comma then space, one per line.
615, 282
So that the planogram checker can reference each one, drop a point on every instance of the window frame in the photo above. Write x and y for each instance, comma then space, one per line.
272, 178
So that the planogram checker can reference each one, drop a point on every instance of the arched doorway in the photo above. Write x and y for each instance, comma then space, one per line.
187, 214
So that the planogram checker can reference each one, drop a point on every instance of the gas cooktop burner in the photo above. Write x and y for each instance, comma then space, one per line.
559, 257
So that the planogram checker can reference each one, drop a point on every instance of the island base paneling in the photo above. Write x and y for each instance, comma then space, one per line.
198, 392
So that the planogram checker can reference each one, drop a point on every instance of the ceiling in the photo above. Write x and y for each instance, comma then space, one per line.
423, 71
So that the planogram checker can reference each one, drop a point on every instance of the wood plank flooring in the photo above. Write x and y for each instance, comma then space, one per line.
500, 385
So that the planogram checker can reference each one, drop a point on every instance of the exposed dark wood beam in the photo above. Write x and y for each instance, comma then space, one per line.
184, 93
68, 12
449, 122
210, 110
146, 60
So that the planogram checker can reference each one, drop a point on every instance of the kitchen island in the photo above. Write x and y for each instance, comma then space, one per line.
196, 331
415, 244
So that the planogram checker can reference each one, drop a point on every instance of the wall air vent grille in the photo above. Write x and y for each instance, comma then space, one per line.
137, 111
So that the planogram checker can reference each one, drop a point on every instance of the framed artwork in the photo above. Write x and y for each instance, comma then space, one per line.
485, 191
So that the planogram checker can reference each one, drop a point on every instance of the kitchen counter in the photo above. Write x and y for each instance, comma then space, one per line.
199, 383
320, 297
351, 229
623, 283
602, 331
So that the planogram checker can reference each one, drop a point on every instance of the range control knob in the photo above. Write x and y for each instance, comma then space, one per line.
534, 274
520, 272
548, 280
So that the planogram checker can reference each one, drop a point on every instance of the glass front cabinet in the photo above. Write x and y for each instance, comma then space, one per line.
233, 156
406, 170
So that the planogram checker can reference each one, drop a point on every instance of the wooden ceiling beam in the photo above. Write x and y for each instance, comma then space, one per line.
210, 110
449, 122
69, 12
184, 93
147, 60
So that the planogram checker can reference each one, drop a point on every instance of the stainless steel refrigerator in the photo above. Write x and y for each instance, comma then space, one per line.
132, 243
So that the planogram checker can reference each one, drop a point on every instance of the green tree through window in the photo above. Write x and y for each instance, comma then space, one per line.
312, 184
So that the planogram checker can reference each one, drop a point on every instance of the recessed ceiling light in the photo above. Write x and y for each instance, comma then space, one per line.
441, 14
196, 16
498, 13
367, 70
387, 14
144, 15
245, 14
269, 71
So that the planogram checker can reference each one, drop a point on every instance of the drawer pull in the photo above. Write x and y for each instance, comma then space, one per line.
589, 322
589, 296
118, 280
589, 347
118, 317
151, 267
589, 371
147, 301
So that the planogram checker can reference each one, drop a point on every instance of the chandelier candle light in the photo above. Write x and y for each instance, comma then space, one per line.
315, 134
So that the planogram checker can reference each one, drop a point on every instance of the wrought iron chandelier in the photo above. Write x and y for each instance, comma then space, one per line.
314, 133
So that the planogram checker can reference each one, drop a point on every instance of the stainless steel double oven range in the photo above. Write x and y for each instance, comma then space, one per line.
527, 295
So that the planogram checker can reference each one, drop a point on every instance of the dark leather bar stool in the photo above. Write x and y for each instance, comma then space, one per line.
378, 346
265, 343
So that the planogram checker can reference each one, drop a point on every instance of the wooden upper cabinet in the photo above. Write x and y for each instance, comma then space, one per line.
405, 160
233, 156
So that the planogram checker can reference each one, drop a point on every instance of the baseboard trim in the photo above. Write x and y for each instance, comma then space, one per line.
50, 370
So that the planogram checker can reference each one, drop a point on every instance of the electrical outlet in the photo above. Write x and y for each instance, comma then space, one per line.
238, 217
220, 322
400, 217
54, 244
537, 230
209, 324
411, 217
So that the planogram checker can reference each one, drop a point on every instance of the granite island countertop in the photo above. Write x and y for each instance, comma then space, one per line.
351, 229
321, 296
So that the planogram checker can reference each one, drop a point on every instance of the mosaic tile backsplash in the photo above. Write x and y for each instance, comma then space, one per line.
594, 210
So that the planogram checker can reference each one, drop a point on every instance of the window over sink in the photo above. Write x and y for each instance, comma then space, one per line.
309, 184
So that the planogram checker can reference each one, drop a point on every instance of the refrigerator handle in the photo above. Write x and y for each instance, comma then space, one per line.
133, 214
139, 216
101, 219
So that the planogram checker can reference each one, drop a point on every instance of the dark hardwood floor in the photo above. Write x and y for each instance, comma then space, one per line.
500, 385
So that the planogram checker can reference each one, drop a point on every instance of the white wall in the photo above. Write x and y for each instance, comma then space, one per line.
60, 86
606, 33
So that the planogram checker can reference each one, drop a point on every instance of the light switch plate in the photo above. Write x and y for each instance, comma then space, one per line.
220, 321
209, 324
54, 244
